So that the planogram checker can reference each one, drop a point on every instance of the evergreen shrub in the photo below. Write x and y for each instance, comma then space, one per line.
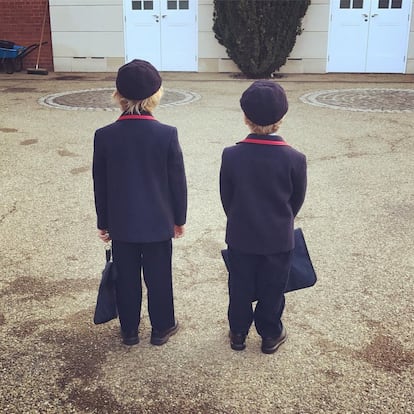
258, 34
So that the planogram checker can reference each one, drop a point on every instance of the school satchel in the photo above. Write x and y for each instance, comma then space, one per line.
106, 309
302, 274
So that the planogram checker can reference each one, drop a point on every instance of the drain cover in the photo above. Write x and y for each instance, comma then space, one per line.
363, 100
101, 99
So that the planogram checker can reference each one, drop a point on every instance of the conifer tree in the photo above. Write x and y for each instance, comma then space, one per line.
258, 34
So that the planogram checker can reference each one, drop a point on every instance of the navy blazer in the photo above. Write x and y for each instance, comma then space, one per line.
262, 188
139, 179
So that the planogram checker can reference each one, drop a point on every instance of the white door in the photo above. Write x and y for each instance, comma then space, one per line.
164, 32
368, 36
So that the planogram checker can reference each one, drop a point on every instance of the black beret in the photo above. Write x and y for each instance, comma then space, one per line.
138, 80
264, 102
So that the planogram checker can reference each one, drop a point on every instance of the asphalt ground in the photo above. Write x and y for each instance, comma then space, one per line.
350, 346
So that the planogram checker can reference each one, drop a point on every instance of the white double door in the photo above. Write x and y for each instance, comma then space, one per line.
368, 36
163, 32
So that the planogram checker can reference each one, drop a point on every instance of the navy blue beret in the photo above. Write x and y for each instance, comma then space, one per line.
264, 102
138, 80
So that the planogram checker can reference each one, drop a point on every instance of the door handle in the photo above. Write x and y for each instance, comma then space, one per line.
374, 15
157, 18
365, 16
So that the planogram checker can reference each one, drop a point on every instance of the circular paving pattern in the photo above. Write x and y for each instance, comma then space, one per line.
100, 99
363, 100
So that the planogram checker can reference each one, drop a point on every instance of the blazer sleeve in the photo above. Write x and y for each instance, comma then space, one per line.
177, 181
99, 173
299, 180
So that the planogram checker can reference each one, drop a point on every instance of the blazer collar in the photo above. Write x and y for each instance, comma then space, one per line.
125, 117
264, 140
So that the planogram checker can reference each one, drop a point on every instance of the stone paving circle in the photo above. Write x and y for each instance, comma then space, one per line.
101, 99
363, 100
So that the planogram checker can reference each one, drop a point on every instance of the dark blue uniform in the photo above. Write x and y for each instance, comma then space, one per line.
262, 188
140, 194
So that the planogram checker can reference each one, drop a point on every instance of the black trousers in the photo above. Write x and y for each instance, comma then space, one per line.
262, 278
154, 261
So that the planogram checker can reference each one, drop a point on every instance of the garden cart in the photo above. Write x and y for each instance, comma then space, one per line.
11, 55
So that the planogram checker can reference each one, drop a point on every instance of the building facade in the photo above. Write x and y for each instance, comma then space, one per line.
363, 36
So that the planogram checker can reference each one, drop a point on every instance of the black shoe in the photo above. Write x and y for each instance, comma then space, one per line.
270, 345
130, 337
237, 341
161, 337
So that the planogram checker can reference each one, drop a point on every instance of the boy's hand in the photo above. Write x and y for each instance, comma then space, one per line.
104, 235
178, 231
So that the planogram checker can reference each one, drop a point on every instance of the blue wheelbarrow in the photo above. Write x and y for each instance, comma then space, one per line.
11, 55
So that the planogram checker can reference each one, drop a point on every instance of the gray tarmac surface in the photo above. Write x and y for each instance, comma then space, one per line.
351, 339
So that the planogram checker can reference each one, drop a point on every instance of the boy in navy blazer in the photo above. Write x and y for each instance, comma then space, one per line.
141, 201
262, 188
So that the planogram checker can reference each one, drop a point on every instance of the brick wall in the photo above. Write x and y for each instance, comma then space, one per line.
21, 22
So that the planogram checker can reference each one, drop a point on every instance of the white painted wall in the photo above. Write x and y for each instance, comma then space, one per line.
88, 35
410, 57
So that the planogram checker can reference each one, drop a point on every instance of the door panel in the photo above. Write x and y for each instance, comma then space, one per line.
163, 32
178, 35
388, 36
348, 35
368, 36
142, 31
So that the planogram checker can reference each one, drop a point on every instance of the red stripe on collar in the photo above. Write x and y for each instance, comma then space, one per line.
134, 116
263, 142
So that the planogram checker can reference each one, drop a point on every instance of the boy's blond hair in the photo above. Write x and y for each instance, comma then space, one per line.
136, 107
262, 129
